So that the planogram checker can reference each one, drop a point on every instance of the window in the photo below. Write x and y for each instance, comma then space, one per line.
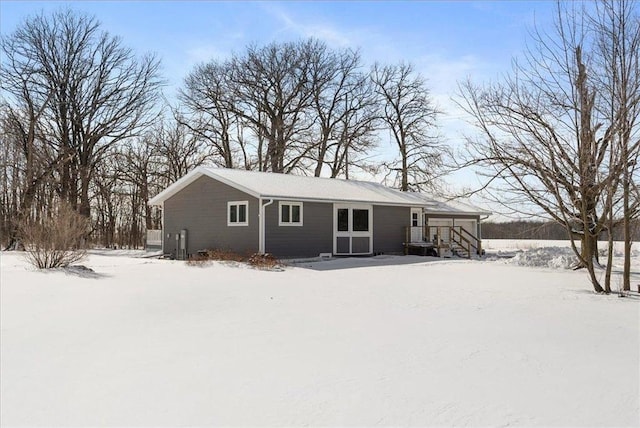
343, 220
290, 214
414, 219
237, 213
360, 220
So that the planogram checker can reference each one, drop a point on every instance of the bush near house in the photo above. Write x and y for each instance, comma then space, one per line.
257, 260
264, 261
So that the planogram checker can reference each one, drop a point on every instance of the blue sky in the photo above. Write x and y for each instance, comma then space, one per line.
447, 41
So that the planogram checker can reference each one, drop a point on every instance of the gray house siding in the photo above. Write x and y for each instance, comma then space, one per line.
201, 209
389, 228
315, 236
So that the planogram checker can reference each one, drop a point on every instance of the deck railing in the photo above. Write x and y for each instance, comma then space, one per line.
460, 241
475, 243
154, 237
443, 237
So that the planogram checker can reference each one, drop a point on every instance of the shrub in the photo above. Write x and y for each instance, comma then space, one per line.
264, 261
56, 241
257, 260
224, 255
205, 257
198, 260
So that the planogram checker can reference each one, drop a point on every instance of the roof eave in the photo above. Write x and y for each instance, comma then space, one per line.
478, 213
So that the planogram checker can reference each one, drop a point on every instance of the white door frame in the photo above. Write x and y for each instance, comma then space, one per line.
350, 233
416, 234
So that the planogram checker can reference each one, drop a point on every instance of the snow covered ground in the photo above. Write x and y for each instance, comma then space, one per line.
376, 341
493, 245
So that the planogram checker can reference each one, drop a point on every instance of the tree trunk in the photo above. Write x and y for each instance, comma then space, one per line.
607, 277
588, 249
404, 186
322, 152
85, 205
626, 226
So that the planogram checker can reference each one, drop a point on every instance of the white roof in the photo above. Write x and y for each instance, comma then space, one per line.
286, 186
436, 205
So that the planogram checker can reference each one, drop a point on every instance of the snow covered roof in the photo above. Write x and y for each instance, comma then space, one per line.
286, 186
436, 205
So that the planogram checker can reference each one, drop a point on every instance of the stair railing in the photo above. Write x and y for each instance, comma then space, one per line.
460, 240
475, 242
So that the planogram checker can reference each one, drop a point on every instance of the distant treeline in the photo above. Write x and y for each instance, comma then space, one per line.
541, 230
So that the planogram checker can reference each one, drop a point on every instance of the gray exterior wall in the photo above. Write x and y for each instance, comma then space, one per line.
315, 236
201, 209
389, 225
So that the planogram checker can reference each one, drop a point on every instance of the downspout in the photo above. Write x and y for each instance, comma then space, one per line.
261, 225
162, 227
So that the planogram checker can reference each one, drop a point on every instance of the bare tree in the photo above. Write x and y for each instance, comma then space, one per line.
410, 116
136, 169
108, 201
100, 91
346, 109
272, 88
617, 40
22, 111
209, 113
355, 135
11, 164
282, 107
177, 150
545, 143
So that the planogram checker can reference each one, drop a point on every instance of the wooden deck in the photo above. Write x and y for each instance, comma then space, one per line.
421, 249
447, 241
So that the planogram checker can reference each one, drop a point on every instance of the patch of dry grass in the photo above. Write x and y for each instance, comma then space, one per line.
257, 260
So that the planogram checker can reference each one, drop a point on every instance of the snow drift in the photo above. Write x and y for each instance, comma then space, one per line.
551, 257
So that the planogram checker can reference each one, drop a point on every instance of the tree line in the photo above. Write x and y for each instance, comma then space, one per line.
543, 230
84, 122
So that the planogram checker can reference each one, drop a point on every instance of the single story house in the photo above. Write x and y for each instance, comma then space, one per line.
295, 217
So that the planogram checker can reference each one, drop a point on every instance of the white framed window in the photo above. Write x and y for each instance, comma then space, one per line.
238, 213
289, 213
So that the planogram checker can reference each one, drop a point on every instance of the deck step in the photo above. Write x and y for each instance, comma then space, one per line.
460, 252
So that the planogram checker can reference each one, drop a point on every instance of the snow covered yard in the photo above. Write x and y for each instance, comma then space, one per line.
404, 341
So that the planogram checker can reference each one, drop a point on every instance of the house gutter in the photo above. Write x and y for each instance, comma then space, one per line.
261, 225
162, 226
